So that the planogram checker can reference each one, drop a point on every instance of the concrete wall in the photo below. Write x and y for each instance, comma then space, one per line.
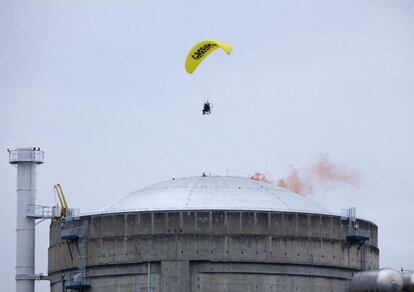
214, 251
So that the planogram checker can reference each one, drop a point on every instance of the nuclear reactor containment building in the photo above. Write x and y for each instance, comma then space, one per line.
211, 233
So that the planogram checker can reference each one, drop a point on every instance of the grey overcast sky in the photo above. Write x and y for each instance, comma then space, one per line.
101, 87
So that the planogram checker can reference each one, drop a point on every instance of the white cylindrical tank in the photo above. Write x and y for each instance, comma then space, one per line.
408, 281
26, 160
377, 280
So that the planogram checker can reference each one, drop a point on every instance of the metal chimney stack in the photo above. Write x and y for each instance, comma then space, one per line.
26, 160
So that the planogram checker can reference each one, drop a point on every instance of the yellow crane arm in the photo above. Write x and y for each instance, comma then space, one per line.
63, 204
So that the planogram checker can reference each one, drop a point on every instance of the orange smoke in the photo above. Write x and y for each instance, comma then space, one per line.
295, 183
260, 177
327, 171
323, 171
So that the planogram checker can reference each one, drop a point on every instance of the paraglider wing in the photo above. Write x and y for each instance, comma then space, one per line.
201, 50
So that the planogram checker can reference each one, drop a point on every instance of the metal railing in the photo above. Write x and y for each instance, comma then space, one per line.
38, 211
349, 214
355, 231
26, 155
73, 232
72, 213
77, 281
49, 212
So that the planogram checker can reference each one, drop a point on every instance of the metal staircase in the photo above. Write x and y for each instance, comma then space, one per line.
355, 235
71, 233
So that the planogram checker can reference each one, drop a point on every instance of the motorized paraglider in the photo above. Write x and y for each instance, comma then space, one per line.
198, 53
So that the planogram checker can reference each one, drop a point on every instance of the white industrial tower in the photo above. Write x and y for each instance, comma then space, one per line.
26, 160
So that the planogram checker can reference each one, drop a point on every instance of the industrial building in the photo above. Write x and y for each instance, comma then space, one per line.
203, 233
211, 233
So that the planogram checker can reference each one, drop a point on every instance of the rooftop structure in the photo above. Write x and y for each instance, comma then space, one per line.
215, 193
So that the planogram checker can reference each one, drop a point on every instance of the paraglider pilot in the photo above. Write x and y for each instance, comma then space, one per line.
206, 108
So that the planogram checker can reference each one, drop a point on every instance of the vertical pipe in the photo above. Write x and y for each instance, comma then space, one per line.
149, 278
63, 281
82, 253
26, 160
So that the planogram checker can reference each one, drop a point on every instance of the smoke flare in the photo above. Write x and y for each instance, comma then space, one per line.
258, 176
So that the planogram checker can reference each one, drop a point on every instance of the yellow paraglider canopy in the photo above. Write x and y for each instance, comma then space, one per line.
201, 50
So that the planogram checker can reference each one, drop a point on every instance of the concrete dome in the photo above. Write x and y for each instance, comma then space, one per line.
215, 193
